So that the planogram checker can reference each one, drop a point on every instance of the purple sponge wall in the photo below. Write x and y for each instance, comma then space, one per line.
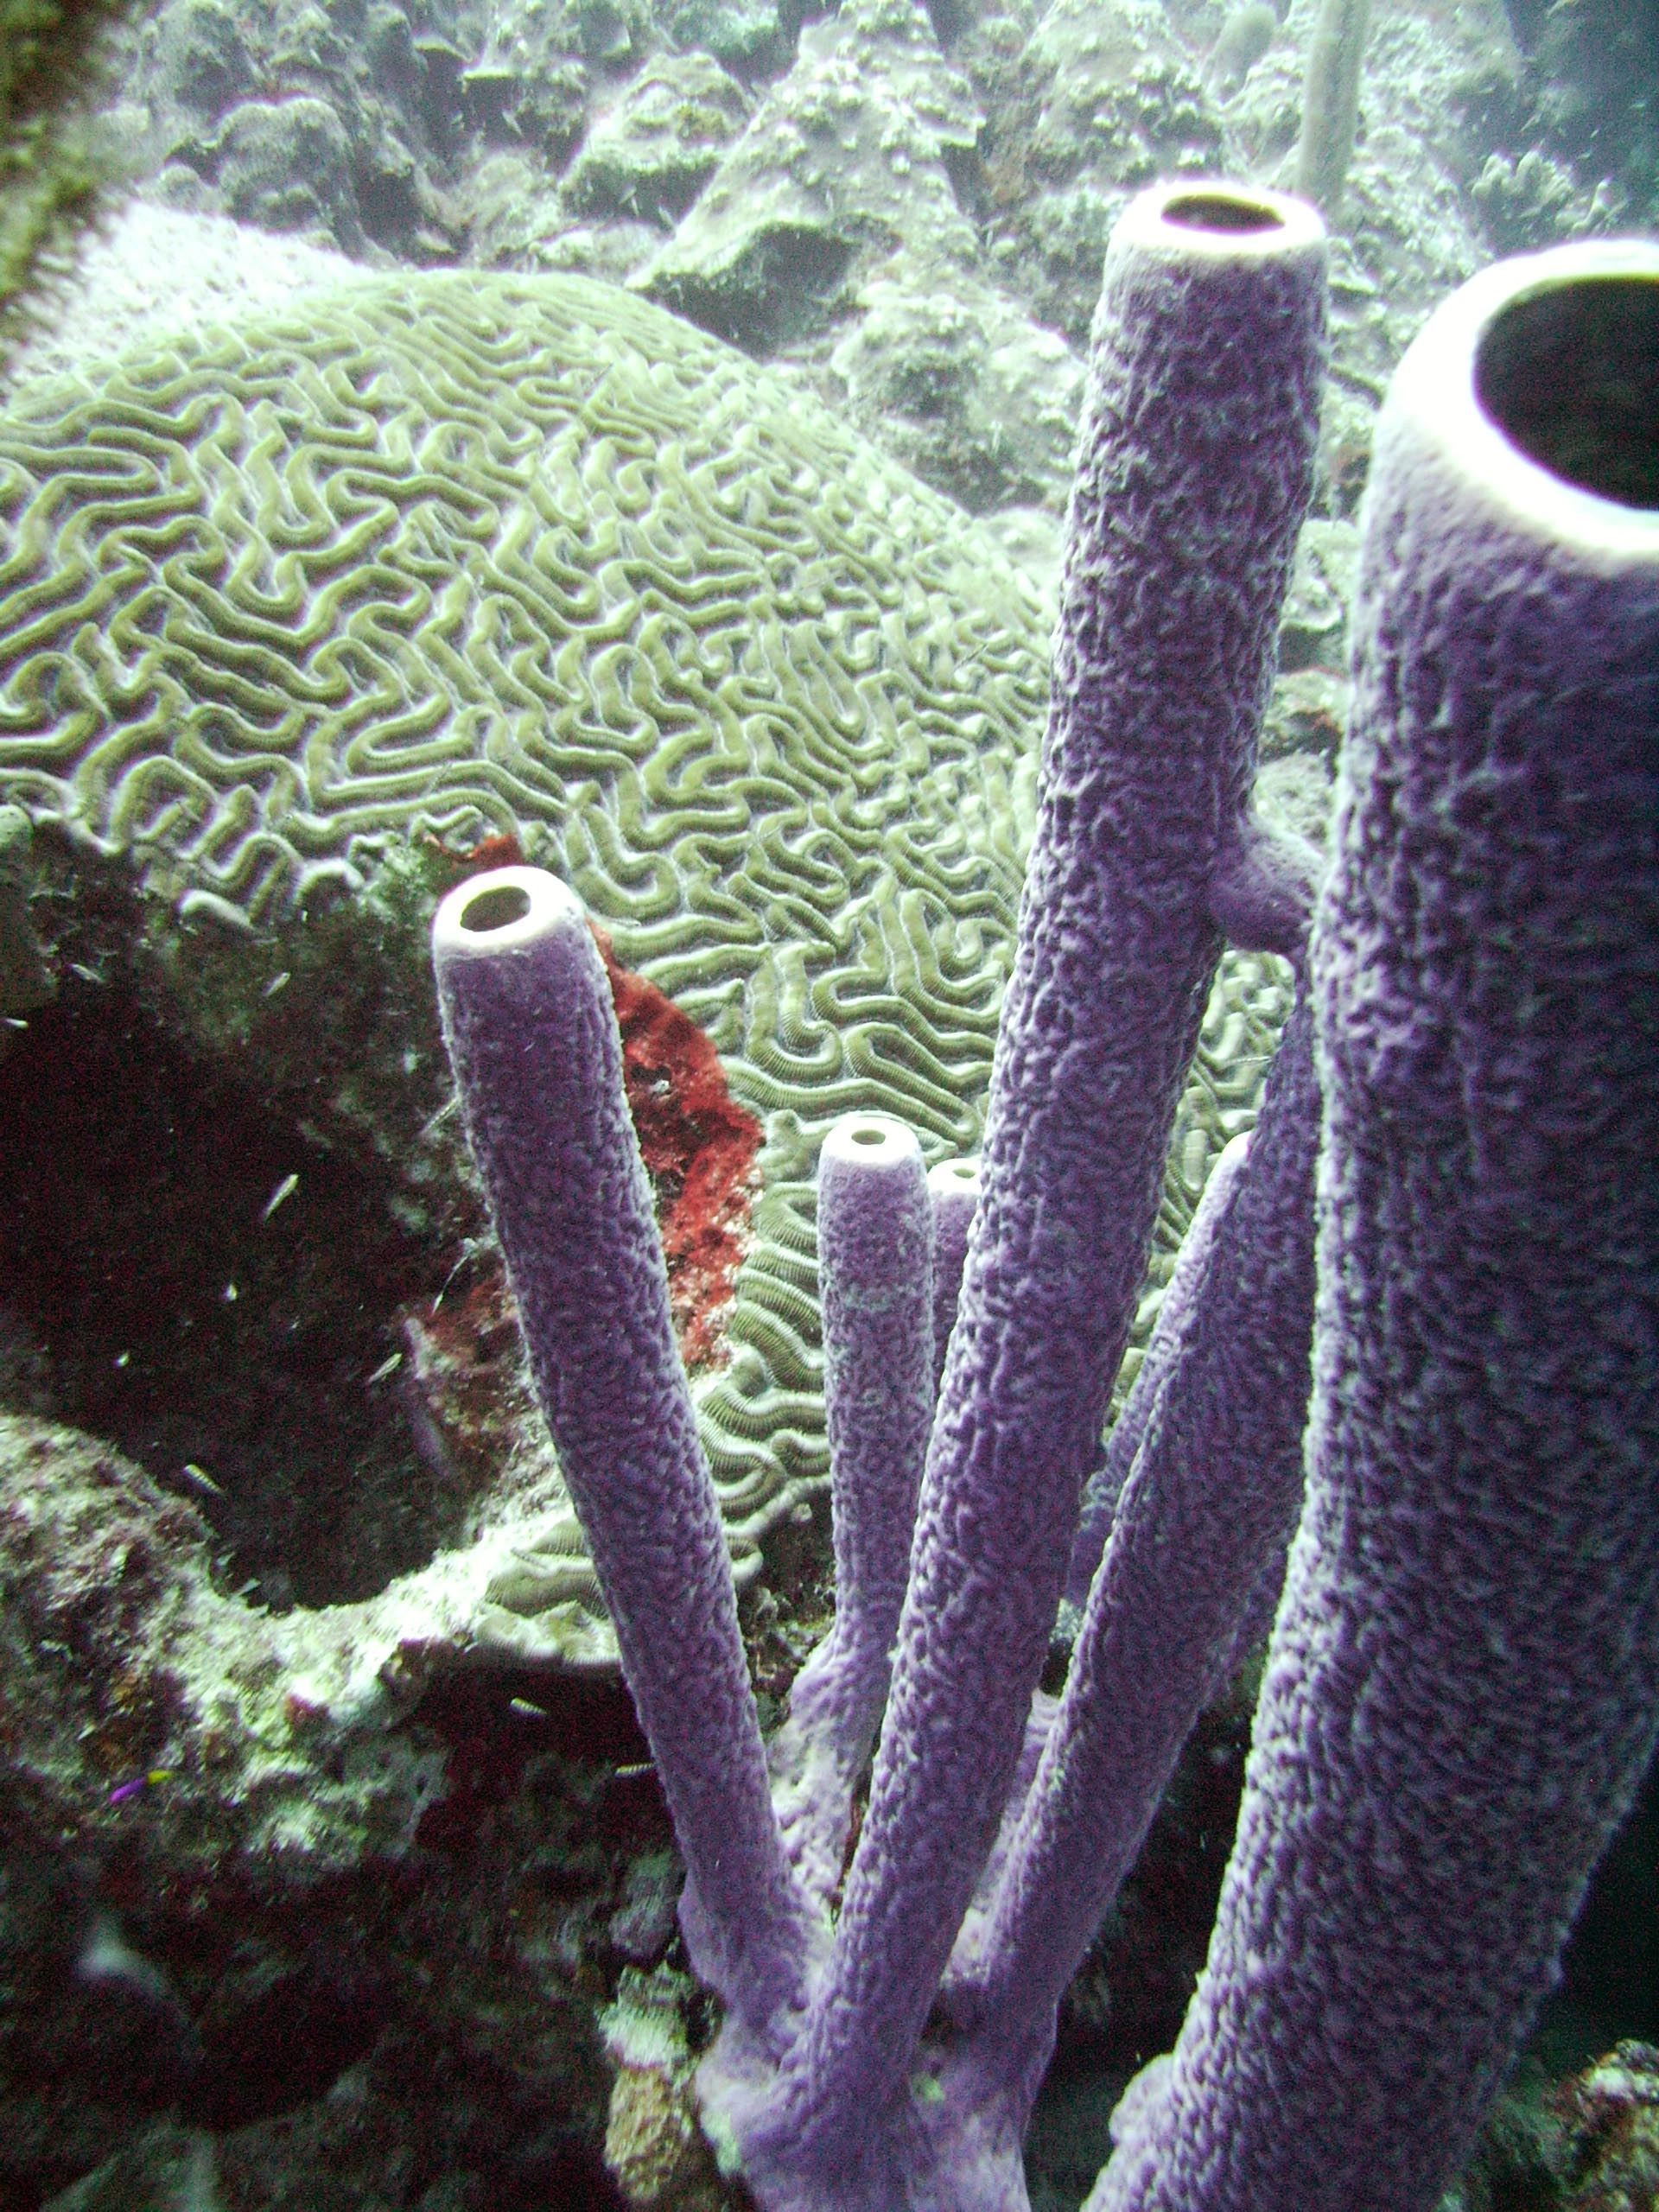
1463, 1685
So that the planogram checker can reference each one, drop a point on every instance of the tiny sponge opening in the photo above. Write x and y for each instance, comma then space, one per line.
496, 908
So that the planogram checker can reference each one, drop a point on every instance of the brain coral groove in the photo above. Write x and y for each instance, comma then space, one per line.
461, 555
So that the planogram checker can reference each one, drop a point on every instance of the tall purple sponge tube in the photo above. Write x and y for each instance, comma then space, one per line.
1204, 1514
531, 1033
1462, 1688
1195, 465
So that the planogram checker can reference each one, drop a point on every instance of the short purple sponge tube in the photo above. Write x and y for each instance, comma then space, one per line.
875, 1231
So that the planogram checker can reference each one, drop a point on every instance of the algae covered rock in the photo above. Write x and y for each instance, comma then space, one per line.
266, 1902
133, 1674
652, 154
1121, 94
365, 125
54, 158
1100, 96
287, 165
203, 64
847, 156
964, 389
1313, 632
741, 33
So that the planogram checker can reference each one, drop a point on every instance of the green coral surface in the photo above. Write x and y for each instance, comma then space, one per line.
465, 554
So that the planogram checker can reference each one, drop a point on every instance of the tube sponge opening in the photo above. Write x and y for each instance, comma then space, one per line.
495, 910
1571, 374
1222, 211
1534, 387
505, 910
1202, 220
868, 1141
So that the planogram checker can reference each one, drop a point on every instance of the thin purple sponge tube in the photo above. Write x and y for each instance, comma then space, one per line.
875, 1233
1165, 1351
532, 1037
953, 1188
1204, 1514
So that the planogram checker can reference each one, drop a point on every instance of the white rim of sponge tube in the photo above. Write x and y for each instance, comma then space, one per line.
549, 909
1434, 401
870, 1143
952, 1178
1288, 227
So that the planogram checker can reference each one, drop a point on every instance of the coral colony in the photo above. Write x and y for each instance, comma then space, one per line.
1448, 1196
766, 694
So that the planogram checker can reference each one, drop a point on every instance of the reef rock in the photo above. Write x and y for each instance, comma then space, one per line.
848, 156
944, 371
649, 154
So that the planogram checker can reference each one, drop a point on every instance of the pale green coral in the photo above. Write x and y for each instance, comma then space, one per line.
468, 554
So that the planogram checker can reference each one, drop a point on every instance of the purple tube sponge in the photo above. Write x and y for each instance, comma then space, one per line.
1171, 1334
1203, 1517
1462, 1687
1195, 464
874, 1236
532, 1038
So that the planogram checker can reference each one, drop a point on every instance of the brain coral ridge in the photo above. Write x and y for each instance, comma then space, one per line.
465, 554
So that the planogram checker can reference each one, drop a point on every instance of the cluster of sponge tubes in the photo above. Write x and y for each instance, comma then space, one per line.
1403, 1398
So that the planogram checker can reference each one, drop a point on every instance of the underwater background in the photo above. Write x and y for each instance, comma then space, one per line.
635, 439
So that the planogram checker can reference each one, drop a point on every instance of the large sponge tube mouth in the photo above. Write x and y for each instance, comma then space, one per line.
1222, 211
1570, 373
1215, 219
1536, 386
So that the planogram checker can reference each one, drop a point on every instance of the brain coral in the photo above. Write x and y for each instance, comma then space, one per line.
466, 555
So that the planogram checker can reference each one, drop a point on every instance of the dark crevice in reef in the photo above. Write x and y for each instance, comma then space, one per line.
356, 2022
189, 1269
